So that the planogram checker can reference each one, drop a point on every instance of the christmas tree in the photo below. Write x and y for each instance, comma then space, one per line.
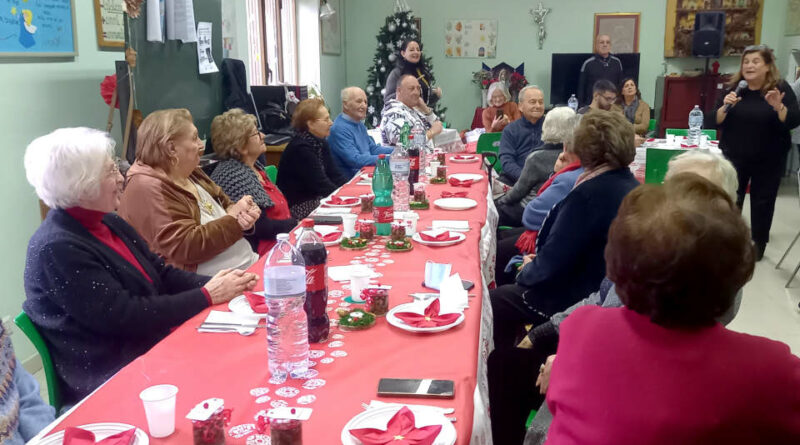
398, 27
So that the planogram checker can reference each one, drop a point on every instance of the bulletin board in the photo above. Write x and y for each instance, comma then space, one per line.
471, 38
37, 28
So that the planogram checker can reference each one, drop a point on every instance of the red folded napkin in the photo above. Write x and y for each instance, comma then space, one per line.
257, 302
430, 319
78, 436
446, 194
329, 238
463, 157
651, 139
688, 146
400, 430
337, 201
444, 236
460, 183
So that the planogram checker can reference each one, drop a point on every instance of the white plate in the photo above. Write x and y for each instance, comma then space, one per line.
379, 417
455, 203
101, 431
461, 237
241, 306
466, 176
473, 158
407, 307
327, 200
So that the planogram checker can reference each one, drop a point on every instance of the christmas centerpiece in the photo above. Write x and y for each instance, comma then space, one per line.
354, 243
355, 320
420, 200
399, 242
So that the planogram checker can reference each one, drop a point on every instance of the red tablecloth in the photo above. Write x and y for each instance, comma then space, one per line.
234, 367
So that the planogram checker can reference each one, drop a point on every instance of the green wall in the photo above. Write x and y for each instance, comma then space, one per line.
569, 29
40, 95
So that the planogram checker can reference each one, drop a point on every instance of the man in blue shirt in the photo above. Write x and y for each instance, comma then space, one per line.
523, 135
350, 144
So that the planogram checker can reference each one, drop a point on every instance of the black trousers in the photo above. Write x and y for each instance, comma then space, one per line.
513, 393
510, 214
764, 178
506, 249
510, 315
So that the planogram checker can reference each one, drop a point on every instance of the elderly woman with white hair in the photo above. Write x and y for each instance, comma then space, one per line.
97, 294
501, 110
557, 129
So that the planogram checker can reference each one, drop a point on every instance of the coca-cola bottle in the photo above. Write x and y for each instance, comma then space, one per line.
316, 258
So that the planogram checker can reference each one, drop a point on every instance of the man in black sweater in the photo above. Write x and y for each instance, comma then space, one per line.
602, 65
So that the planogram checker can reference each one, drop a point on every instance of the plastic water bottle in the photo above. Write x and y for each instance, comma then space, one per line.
695, 125
419, 142
287, 325
573, 103
315, 257
382, 206
400, 165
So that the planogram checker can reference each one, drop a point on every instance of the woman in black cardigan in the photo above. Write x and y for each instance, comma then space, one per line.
306, 172
410, 61
755, 135
96, 293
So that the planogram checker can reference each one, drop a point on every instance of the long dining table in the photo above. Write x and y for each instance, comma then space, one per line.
348, 365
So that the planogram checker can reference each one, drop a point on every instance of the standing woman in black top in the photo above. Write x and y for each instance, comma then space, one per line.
411, 62
755, 135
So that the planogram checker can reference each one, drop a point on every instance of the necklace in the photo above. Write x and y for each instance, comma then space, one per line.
204, 204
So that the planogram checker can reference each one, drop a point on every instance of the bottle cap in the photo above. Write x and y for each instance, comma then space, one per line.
282, 237
381, 156
307, 222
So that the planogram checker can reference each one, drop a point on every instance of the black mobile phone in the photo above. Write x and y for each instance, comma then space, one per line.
330, 220
468, 285
499, 113
444, 389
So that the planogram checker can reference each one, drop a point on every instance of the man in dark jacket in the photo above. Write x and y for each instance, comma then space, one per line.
602, 65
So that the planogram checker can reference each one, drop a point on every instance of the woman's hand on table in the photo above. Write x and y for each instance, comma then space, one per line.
229, 283
543, 380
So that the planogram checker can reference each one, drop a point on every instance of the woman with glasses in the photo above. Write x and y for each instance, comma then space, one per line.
307, 172
176, 207
755, 126
238, 143
95, 291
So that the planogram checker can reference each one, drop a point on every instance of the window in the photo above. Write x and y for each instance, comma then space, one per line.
272, 31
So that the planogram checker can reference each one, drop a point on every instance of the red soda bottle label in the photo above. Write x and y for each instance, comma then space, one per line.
315, 277
414, 163
383, 214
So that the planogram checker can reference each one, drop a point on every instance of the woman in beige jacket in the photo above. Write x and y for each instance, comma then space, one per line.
635, 109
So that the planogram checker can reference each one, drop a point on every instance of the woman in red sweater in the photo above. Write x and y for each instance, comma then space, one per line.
661, 370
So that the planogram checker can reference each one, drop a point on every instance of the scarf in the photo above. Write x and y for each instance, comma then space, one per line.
237, 180
313, 141
591, 174
630, 110
9, 397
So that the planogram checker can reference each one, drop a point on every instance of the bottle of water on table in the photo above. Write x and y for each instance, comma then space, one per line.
573, 103
287, 325
695, 125
399, 164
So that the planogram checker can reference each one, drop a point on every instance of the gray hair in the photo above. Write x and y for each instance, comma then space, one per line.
347, 93
526, 88
67, 165
559, 125
502, 87
711, 166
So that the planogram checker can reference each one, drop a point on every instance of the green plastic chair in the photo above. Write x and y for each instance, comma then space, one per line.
53, 390
272, 173
653, 125
490, 142
656, 164
712, 134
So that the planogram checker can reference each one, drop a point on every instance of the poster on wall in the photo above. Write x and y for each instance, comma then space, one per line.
471, 38
330, 33
44, 29
109, 23
623, 28
793, 18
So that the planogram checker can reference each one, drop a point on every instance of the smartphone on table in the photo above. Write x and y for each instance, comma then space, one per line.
425, 388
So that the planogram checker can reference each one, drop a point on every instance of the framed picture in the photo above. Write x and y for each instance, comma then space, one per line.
742, 24
37, 29
622, 27
793, 18
330, 31
418, 24
109, 21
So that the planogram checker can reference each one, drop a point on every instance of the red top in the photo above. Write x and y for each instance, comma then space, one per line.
92, 220
280, 210
620, 379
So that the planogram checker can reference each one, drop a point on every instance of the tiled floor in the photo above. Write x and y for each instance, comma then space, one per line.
768, 309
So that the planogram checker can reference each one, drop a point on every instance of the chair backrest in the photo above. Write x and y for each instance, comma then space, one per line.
490, 143
272, 172
653, 125
711, 133
656, 164
53, 390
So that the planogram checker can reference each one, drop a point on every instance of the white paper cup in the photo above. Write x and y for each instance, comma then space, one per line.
349, 225
359, 279
432, 168
410, 221
159, 407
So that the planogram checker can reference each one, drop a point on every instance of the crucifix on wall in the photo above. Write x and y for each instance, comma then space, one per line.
539, 14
